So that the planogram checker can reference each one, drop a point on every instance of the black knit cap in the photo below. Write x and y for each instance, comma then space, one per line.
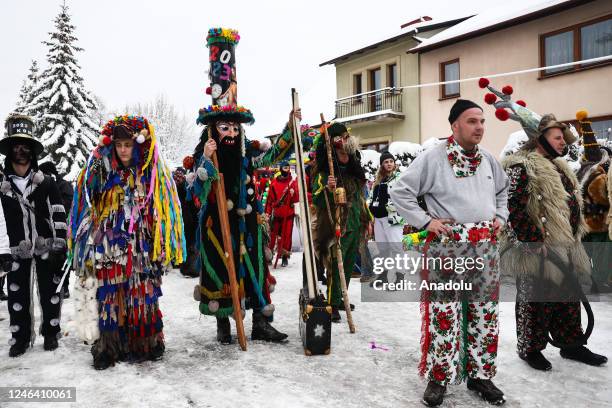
386, 155
459, 107
336, 129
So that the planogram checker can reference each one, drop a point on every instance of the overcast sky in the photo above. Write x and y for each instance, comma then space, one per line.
137, 49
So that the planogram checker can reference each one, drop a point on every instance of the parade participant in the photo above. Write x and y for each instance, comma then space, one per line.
125, 232
237, 158
36, 226
190, 268
465, 190
350, 175
66, 192
595, 177
542, 242
282, 195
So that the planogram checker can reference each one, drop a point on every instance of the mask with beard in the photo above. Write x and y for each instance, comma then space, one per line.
347, 143
227, 135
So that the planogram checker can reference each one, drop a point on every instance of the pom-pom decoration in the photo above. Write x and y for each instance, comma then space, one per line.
209, 90
582, 114
490, 98
502, 114
507, 90
188, 162
521, 103
140, 139
483, 82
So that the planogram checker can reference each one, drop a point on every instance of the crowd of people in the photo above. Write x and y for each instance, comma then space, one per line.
128, 219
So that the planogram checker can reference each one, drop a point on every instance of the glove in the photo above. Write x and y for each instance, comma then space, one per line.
6, 262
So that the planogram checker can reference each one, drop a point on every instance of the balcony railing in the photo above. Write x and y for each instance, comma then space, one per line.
374, 101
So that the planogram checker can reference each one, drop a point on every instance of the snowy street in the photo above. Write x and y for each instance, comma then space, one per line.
198, 372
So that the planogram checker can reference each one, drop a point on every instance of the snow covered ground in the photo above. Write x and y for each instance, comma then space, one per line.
198, 372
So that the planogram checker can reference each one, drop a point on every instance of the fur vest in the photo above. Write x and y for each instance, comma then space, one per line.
594, 180
547, 208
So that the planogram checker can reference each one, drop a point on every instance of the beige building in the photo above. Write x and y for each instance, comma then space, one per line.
368, 81
551, 33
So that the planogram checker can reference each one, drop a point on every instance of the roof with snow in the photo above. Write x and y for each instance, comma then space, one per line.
407, 32
494, 19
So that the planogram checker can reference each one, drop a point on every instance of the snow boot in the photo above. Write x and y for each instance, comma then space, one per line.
224, 331
50, 343
102, 361
487, 390
263, 330
157, 352
536, 360
285, 260
335, 316
18, 349
584, 355
434, 394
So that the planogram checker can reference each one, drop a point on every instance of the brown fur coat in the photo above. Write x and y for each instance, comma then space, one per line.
548, 209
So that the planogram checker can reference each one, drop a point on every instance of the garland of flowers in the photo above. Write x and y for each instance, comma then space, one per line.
213, 113
222, 35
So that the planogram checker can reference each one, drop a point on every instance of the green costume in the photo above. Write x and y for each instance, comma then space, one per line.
354, 217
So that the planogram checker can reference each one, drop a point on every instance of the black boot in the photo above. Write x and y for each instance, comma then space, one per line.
341, 307
18, 349
157, 352
50, 343
224, 332
536, 360
584, 355
102, 361
487, 390
335, 316
263, 330
434, 394
285, 260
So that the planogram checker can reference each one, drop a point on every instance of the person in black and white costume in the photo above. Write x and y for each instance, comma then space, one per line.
36, 225
5, 252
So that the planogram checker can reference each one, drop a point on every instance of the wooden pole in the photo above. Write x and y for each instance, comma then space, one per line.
229, 252
343, 285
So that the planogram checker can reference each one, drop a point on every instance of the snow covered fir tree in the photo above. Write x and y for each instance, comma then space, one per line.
26, 94
62, 107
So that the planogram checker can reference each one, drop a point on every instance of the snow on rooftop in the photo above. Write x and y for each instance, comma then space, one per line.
368, 115
390, 34
490, 17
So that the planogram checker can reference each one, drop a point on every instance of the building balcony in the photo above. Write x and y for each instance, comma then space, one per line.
375, 106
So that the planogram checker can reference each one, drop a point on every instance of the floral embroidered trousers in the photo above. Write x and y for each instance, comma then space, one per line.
535, 319
459, 330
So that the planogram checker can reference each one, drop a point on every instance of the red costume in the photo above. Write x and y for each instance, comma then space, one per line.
282, 194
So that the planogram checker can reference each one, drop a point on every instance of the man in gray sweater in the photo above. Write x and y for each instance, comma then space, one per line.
465, 191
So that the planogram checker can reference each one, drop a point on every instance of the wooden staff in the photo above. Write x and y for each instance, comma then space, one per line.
227, 247
340, 200
305, 224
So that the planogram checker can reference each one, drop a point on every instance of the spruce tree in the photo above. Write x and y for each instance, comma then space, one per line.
62, 105
26, 94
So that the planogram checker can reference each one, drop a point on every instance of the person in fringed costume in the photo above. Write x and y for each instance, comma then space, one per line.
595, 177
238, 157
354, 218
542, 245
465, 192
125, 231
